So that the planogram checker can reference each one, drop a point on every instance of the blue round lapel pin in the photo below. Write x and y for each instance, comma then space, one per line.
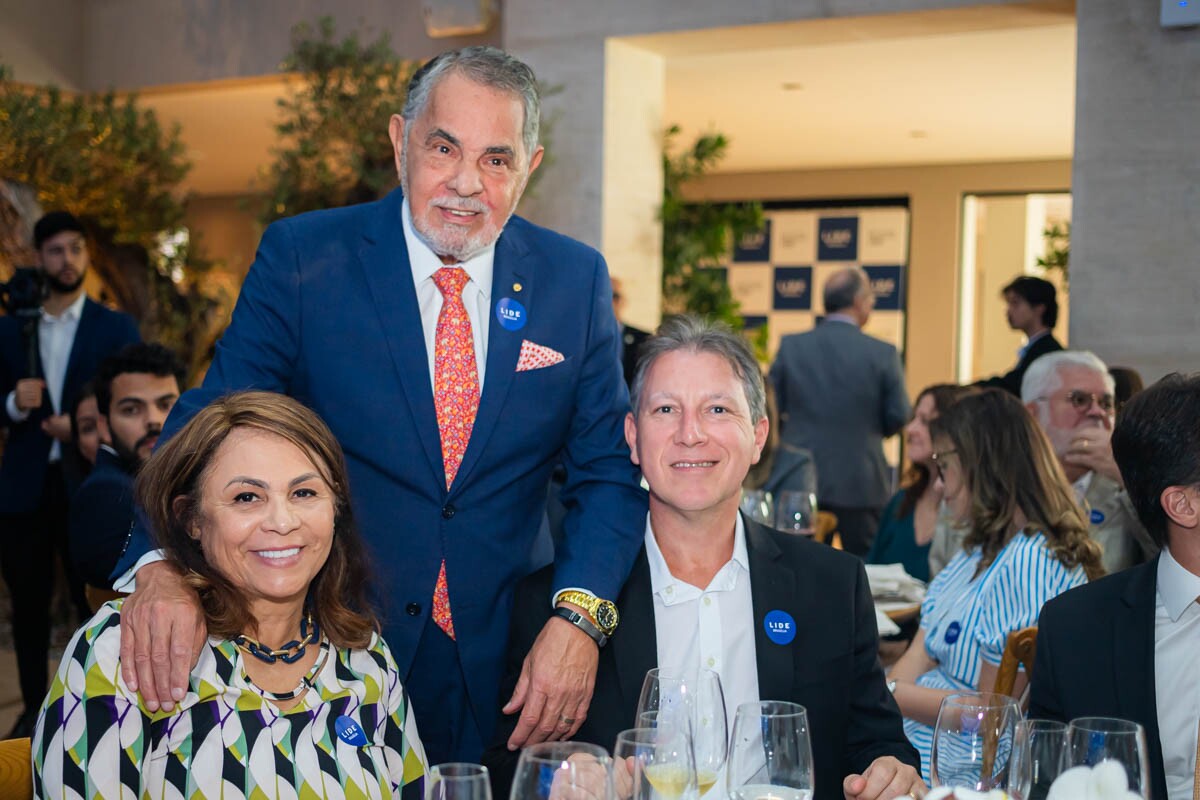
1097, 516
780, 627
511, 314
350, 732
952, 632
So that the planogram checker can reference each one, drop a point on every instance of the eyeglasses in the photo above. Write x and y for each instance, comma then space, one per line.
1082, 401
937, 459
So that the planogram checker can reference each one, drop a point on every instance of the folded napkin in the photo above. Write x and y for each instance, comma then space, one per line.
890, 581
1105, 781
946, 793
885, 624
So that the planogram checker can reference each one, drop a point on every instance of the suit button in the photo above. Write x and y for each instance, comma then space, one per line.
413, 609
448, 511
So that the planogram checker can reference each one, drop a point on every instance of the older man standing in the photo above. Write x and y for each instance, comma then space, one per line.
778, 617
458, 353
840, 393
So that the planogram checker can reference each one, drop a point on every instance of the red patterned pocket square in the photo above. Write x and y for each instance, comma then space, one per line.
536, 356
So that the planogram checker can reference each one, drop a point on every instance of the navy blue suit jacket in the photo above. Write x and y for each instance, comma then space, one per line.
101, 514
101, 332
328, 314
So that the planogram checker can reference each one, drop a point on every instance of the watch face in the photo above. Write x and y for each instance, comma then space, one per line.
606, 616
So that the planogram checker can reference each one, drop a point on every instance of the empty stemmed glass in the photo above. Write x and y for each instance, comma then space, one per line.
770, 757
758, 505
1039, 756
1103, 744
796, 512
659, 760
667, 697
973, 740
563, 771
458, 781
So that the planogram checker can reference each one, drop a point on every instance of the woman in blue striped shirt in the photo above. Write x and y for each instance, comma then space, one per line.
1026, 542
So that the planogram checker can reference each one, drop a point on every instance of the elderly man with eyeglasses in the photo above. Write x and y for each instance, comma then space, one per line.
1070, 393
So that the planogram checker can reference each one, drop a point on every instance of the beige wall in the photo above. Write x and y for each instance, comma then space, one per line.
43, 42
935, 201
225, 231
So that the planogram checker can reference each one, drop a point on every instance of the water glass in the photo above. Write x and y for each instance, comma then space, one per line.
563, 771
770, 757
759, 506
458, 781
1039, 756
1103, 740
796, 512
973, 741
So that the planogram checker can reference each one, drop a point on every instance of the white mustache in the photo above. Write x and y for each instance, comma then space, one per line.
459, 204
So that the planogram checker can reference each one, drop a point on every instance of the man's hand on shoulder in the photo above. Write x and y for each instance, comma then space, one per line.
162, 631
885, 779
555, 687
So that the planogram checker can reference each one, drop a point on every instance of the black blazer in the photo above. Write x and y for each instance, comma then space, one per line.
1095, 657
1011, 381
101, 516
101, 332
631, 345
831, 667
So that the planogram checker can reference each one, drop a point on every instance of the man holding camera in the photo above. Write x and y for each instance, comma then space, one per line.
42, 367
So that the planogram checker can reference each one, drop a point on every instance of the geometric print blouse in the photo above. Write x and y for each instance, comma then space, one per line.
225, 740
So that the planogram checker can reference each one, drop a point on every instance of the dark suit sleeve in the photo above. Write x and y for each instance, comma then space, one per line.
100, 516
1044, 699
258, 351
875, 728
531, 609
1009, 381
779, 383
606, 508
896, 409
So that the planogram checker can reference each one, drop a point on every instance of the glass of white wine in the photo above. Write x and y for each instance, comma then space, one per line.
770, 757
659, 761
701, 700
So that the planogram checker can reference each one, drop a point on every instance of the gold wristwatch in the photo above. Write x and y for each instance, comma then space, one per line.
603, 611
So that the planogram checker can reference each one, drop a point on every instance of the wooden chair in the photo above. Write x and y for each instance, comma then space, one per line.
16, 772
97, 597
826, 527
1019, 651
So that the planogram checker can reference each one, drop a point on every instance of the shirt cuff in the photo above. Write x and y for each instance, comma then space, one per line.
14, 413
126, 582
554, 597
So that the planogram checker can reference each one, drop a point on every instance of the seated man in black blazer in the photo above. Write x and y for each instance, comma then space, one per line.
135, 390
1125, 646
707, 580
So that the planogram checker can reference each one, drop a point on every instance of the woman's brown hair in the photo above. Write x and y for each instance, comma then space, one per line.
917, 478
1008, 466
337, 595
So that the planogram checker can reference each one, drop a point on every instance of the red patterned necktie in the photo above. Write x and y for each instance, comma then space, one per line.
456, 397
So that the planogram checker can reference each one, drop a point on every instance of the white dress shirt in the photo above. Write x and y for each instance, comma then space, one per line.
1176, 643
710, 628
56, 337
476, 294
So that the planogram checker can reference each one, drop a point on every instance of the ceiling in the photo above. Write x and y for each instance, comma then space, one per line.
991, 83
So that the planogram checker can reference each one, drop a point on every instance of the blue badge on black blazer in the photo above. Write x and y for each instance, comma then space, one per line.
780, 627
350, 732
510, 314
1097, 516
952, 632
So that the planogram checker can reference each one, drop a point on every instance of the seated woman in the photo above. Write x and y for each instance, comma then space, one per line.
907, 525
294, 690
1026, 543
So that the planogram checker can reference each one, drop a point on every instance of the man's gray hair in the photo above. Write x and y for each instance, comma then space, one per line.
487, 66
697, 335
843, 288
1042, 377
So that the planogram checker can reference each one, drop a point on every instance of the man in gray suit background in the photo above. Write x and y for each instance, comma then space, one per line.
840, 393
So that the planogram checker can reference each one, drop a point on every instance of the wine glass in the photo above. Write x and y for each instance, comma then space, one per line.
666, 695
563, 771
1106, 743
770, 757
1039, 756
659, 759
459, 781
972, 741
796, 512
759, 506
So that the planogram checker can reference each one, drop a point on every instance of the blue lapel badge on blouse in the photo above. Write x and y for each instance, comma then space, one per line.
780, 627
350, 732
1097, 516
952, 632
511, 314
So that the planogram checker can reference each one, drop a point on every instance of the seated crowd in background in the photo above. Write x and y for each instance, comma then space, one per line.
250, 500
1026, 542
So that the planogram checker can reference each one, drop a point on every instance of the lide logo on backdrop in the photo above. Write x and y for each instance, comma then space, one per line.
837, 238
791, 288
